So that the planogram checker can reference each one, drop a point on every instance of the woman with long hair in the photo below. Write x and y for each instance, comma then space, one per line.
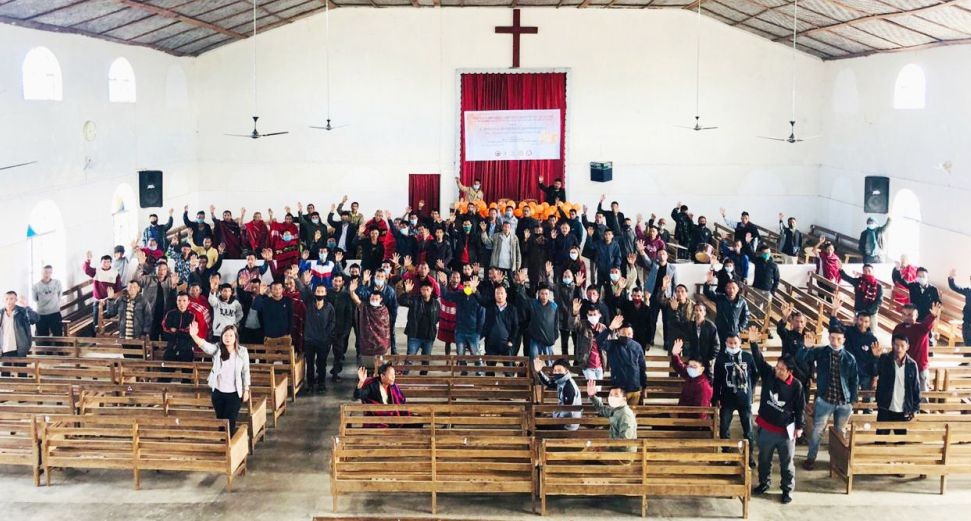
229, 377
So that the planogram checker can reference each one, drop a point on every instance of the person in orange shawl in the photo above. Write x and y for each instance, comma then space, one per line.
284, 240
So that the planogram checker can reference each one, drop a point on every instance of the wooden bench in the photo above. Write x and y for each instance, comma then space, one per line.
20, 441
438, 449
76, 311
653, 421
283, 354
58, 370
644, 468
144, 443
927, 447
847, 245
462, 379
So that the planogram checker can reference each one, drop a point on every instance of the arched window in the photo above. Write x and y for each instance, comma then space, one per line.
124, 217
904, 233
121, 82
42, 75
909, 91
45, 241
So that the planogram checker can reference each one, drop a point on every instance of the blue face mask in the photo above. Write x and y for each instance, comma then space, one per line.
331, 244
567, 280
200, 220
287, 236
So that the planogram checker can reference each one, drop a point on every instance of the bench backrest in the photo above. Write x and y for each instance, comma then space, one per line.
406, 420
652, 422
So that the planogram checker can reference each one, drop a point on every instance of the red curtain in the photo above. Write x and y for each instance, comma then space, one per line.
423, 187
500, 91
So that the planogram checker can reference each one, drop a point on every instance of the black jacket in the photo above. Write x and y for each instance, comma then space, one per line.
639, 319
766, 274
730, 316
501, 328
422, 316
703, 347
343, 310
781, 403
735, 378
628, 369
922, 298
887, 379
275, 315
318, 328
966, 292
859, 304
552, 193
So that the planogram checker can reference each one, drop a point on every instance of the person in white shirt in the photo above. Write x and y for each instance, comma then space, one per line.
47, 294
229, 377
15, 321
898, 384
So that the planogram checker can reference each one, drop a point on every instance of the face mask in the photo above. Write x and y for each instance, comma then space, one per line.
733, 350
379, 283
288, 236
729, 269
574, 256
467, 290
154, 223
200, 220
637, 299
558, 376
508, 215
871, 226
615, 277
331, 244
319, 298
567, 281
616, 401
766, 256
467, 228
315, 220
694, 372
413, 221
922, 281
837, 349
594, 320
375, 304
404, 230
476, 186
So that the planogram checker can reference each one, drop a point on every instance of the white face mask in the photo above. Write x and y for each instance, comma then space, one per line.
476, 186
729, 269
615, 277
616, 401
871, 226
922, 281
379, 283
574, 256
375, 303
594, 320
694, 372
733, 350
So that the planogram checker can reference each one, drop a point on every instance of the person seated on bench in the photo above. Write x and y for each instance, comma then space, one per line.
623, 421
780, 418
567, 392
229, 377
696, 390
898, 385
380, 390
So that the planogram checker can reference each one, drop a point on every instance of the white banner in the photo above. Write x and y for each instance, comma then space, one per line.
492, 135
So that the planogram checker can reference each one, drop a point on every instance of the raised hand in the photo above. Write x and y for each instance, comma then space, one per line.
617, 322
952, 274
286, 209
754, 335
344, 199
936, 309
299, 207
641, 245
212, 208
361, 376
439, 264
194, 329
353, 286
591, 388
88, 256
781, 216
553, 233
710, 277
474, 282
576, 306
603, 197
396, 259
366, 276
666, 282
721, 211
483, 226
538, 365
678, 347
409, 285
540, 179
549, 267
333, 208
407, 263
171, 211
875, 349
185, 208
317, 235
809, 339
581, 279
442, 279
631, 258
526, 235
338, 256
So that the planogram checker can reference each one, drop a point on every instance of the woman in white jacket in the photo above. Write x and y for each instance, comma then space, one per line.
229, 377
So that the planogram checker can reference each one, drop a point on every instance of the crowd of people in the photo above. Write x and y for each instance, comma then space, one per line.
497, 280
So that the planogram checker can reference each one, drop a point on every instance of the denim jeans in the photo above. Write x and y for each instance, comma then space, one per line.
594, 374
466, 343
417, 344
821, 414
536, 349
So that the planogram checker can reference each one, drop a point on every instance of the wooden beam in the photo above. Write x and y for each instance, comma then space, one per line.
942, 43
884, 16
265, 28
61, 8
168, 13
71, 30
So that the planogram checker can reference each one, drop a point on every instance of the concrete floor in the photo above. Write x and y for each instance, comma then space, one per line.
288, 480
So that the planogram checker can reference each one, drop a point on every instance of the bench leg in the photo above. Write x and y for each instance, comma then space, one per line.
744, 507
37, 476
644, 505
47, 472
137, 478
542, 504
849, 483
333, 495
434, 503
943, 484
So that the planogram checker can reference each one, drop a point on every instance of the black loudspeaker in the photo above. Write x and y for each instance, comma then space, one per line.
150, 188
876, 194
602, 172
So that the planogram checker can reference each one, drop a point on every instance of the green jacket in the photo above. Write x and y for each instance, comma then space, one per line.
623, 423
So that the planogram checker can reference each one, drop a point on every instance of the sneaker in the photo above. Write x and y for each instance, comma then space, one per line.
786, 498
762, 488
809, 464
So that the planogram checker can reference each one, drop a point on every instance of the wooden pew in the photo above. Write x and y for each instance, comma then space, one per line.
76, 310
281, 353
926, 447
144, 443
462, 379
845, 244
652, 422
59, 370
465, 448
20, 441
644, 468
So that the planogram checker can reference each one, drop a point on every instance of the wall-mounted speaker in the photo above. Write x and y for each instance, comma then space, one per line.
602, 172
150, 188
876, 194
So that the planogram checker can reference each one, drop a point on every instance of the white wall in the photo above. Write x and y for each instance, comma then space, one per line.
864, 135
156, 132
393, 80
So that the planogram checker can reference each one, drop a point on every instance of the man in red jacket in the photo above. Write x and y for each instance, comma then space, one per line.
696, 390
918, 334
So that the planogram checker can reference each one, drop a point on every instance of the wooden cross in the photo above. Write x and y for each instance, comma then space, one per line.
515, 30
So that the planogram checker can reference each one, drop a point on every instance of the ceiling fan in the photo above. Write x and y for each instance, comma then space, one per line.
8, 167
255, 134
698, 126
792, 121
328, 126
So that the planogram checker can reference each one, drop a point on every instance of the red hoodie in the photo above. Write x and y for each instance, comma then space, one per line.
695, 392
